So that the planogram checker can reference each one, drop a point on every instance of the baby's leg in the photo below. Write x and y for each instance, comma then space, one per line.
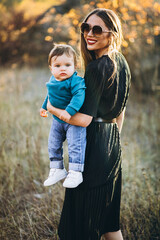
56, 138
76, 138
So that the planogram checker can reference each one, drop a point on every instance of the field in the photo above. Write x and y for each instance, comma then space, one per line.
30, 211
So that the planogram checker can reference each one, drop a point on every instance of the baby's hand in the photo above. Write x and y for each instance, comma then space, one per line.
65, 116
43, 113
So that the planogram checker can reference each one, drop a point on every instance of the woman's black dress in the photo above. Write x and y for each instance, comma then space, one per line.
93, 208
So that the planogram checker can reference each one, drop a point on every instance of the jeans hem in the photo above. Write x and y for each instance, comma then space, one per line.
57, 164
76, 167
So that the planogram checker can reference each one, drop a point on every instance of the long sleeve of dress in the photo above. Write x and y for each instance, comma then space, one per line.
96, 76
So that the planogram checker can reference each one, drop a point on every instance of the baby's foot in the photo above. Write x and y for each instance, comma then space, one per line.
73, 179
55, 175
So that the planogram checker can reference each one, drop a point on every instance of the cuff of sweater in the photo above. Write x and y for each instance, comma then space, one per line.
44, 107
70, 110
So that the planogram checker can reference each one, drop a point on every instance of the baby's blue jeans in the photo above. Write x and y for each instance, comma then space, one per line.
76, 139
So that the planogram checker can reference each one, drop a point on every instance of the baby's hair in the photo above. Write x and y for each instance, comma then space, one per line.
59, 50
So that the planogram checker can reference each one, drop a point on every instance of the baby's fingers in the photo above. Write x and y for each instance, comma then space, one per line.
44, 114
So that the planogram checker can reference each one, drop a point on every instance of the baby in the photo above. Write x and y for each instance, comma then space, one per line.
66, 91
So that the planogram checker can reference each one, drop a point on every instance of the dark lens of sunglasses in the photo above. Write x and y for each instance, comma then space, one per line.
97, 30
85, 28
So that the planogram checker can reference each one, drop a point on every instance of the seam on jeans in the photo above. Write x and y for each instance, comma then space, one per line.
81, 154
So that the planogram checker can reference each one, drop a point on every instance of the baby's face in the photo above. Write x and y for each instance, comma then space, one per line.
62, 67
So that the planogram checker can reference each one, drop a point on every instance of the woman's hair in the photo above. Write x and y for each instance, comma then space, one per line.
59, 50
113, 23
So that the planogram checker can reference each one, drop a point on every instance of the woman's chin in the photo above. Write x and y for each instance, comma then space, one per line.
91, 47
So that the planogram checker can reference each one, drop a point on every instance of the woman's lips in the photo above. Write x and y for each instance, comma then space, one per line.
91, 41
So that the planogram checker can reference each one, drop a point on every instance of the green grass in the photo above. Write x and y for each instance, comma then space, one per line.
30, 211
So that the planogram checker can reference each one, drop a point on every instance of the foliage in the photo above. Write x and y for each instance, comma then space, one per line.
31, 27
29, 210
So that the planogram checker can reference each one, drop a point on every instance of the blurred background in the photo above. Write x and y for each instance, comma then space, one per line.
28, 29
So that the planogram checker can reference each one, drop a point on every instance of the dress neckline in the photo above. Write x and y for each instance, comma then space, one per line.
105, 55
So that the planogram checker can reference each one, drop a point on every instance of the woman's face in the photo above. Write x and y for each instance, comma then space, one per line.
97, 44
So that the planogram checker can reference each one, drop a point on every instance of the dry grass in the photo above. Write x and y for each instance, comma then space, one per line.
141, 153
30, 211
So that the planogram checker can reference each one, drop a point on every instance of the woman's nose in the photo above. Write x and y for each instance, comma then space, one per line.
90, 33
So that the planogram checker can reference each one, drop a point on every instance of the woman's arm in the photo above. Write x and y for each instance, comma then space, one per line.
79, 119
120, 120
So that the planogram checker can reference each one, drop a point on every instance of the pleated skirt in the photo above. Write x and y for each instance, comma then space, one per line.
93, 208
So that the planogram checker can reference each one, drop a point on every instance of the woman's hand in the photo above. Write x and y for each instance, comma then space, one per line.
79, 119
120, 120
65, 116
60, 113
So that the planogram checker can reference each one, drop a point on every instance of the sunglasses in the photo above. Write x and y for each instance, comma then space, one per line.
96, 30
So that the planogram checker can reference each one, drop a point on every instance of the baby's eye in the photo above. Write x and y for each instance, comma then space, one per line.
57, 65
68, 65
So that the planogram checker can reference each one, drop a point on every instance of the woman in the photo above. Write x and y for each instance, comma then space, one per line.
93, 208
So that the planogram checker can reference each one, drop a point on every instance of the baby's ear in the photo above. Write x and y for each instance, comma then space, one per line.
50, 68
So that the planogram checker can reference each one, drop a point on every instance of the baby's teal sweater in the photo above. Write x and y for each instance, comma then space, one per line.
68, 94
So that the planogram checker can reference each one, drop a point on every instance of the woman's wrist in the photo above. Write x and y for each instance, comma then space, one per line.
51, 109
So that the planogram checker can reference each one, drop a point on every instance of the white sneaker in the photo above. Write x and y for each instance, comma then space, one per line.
73, 179
55, 175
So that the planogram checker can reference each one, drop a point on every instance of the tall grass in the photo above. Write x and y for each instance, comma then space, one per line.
141, 154
30, 211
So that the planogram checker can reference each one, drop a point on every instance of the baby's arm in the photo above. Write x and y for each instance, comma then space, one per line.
78, 95
43, 110
44, 105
